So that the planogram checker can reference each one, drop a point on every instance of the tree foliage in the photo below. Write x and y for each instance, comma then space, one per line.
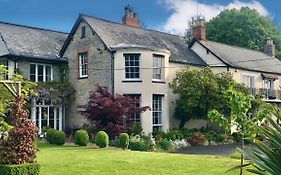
110, 113
244, 28
200, 90
19, 147
265, 158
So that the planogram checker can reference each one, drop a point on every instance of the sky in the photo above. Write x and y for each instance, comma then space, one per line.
164, 15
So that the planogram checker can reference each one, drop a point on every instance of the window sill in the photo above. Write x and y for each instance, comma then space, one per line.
82, 77
158, 81
132, 81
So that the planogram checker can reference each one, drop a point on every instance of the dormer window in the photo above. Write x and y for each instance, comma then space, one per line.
83, 32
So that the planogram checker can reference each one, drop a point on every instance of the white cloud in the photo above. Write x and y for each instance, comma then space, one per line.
183, 10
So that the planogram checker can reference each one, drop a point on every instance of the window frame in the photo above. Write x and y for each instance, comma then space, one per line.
157, 112
249, 79
44, 73
83, 68
131, 59
136, 114
158, 66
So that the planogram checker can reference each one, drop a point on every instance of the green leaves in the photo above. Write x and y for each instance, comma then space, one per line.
265, 158
244, 28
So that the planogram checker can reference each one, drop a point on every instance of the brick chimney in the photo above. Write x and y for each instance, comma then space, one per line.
199, 30
269, 48
130, 18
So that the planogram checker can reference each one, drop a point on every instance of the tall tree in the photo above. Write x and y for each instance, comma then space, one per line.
244, 28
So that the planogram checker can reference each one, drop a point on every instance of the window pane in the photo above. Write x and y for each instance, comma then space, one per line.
132, 66
157, 110
157, 66
48, 73
40, 73
32, 72
83, 61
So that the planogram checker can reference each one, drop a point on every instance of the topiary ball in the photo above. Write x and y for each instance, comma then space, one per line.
124, 140
102, 139
50, 136
59, 138
81, 138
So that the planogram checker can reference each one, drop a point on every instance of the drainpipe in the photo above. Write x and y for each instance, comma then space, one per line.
112, 71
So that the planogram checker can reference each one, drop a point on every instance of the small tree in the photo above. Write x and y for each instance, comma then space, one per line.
241, 115
19, 147
110, 113
200, 90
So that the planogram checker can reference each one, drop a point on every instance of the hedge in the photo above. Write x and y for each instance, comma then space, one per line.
22, 169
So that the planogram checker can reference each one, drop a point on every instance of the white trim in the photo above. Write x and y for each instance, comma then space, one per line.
60, 118
55, 118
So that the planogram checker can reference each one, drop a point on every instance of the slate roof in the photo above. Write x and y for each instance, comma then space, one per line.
31, 42
117, 36
244, 58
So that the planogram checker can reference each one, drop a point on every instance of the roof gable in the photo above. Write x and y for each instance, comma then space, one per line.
242, 58
32, 42
116, 35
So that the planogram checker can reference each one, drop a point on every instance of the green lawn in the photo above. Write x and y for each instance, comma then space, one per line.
58, 160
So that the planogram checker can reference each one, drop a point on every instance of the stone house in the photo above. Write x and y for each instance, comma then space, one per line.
128, 60
34, 52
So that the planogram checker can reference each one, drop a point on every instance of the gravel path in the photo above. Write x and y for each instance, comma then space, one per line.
220, 150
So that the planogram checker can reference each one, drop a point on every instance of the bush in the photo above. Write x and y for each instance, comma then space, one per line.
102, 139
158, 134
137, 129
23, 169
50, 136
81, 138
59, 138
197, 138
124, 140
237, 137
174, 135
138, 144
164, 144
19, 147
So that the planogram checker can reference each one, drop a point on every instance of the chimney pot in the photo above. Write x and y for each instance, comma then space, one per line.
199, 30
130, 18
269, 48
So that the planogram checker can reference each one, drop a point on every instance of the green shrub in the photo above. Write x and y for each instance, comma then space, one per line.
124, 140
81, 138
59, 138
164, 144
138, 145
158, 134
137, 129
102, 139
173, 135
50, 136
22, 169
237, 137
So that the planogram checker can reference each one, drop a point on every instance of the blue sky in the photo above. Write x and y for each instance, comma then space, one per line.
165, 15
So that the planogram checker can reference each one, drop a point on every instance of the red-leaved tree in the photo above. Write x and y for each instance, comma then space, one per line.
110, 113
19, 147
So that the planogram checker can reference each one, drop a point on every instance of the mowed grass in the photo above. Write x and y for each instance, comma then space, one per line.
62, 160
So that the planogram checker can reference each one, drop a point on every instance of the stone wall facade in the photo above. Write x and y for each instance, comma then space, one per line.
99, 70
